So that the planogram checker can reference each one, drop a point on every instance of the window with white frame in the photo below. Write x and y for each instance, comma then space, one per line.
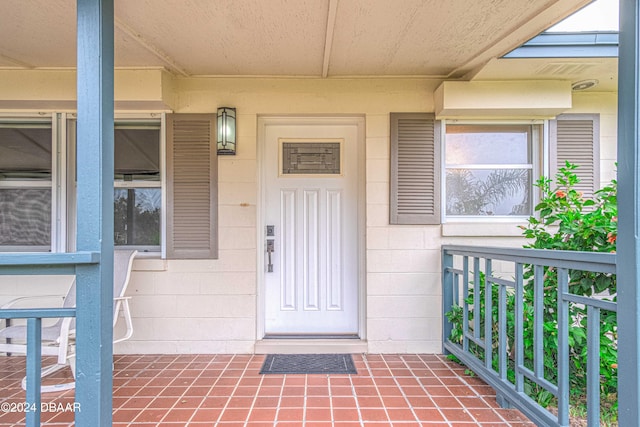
26, 174
489, 169
138, 188
28, 159
137, 199
38, 180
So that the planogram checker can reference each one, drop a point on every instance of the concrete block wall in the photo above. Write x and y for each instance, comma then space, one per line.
212, 306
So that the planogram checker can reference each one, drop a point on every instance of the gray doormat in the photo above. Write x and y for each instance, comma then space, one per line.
308, 364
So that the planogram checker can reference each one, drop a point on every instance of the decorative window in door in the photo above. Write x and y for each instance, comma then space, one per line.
311, 157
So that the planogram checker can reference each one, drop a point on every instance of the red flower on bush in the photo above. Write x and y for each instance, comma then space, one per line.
611, 238
561, 194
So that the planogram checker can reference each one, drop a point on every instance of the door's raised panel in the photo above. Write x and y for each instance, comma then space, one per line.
288, 250
311, 253
334, 244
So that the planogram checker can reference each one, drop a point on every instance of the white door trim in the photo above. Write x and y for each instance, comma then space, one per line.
270, 120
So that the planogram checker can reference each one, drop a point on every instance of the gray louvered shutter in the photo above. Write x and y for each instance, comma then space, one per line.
575, 138
192, 187
415, 169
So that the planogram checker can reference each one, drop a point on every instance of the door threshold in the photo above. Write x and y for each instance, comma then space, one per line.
315, 345
311, 337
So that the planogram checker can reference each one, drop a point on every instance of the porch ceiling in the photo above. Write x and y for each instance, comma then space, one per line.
604, 70
306, 38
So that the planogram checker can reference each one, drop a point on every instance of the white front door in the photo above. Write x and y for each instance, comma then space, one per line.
311, 200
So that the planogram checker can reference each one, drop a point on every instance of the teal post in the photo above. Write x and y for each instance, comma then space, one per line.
34, 382
95, 212
447, 296
628, 251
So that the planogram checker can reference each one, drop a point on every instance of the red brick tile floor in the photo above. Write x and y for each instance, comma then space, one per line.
227, 390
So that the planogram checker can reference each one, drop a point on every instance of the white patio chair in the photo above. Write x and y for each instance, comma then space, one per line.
58, 339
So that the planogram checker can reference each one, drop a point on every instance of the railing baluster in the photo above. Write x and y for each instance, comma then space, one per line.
519, 328
502, 331
563, 348
465, 306
488, 308
447, 296
456, 289
34, 355
593, 366
538, 321
476, 298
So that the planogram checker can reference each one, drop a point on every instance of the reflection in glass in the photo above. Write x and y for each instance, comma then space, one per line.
137, 153
25, 217
25, 152
488, 192
474, 144
137, 216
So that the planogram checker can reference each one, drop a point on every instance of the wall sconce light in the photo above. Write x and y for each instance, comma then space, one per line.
226, 131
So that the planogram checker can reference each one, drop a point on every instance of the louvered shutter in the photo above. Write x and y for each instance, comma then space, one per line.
575, 138
192, 190
415, 169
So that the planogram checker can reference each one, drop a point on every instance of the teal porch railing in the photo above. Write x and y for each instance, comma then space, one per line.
470, 282
38, 263
34, 341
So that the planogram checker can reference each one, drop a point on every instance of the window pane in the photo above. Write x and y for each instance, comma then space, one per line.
25, 217
488, 192
137, 153
472, 144
25, 152
137, 216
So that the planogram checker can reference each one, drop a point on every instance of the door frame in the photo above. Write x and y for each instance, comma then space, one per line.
298, 120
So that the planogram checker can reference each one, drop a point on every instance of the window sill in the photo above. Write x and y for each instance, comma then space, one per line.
484, 229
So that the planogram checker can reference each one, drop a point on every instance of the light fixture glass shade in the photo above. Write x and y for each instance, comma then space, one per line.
226, 131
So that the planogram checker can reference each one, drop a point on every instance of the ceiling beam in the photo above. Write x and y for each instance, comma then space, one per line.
150, 47
328, 41
15, 61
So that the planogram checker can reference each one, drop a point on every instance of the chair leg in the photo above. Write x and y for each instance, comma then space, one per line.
72, 364
7, 323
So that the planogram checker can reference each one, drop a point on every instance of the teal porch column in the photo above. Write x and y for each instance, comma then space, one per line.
628, 247
95, 212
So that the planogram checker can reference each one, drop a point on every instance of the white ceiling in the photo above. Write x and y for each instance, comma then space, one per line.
302, 38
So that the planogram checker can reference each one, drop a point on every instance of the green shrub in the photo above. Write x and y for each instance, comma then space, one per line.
566, 221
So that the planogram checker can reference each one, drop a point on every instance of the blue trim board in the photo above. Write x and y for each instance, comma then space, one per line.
569, 45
